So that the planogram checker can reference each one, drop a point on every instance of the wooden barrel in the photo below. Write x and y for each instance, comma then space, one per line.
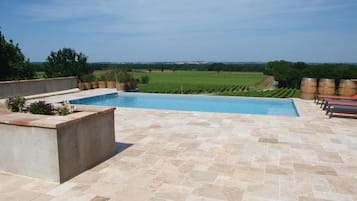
308, 88
347, 88
326, 87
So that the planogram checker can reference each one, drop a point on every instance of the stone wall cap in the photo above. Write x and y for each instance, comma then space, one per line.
49, 121
36, 80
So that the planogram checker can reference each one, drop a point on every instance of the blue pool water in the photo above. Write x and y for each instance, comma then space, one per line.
261, 106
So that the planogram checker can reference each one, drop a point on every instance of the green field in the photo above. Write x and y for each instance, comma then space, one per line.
208, 82
199, 81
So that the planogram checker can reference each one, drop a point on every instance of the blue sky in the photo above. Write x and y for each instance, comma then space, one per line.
185, 30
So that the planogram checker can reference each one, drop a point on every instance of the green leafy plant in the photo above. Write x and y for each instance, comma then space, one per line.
41, 107
102, 77
62, 111
15, 104
124, 76
110, 76
88, 78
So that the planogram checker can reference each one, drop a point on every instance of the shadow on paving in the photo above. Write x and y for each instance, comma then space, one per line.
119, 147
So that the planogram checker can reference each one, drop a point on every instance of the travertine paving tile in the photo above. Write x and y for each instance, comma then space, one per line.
193, 156
344, 185
332, 196
61, 189
100, 198
172, 192
265, 191
219, 192
332, 157
303, 198
44, 197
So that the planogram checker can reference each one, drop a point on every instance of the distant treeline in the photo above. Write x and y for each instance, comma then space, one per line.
289, 74
171, 66
247, 67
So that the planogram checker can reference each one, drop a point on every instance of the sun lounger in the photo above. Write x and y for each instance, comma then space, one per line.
322, 98
328, 102
344, 109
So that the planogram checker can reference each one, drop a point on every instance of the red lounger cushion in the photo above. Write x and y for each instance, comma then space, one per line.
346, 103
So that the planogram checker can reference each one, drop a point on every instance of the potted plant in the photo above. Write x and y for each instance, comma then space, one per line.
101, 81
15, 104
111, 80
125, 81
94, 82
80, 85
86, 81
41, 107
120, 86
132, 84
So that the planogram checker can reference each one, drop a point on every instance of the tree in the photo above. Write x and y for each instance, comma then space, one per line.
289, 74
269, 67
13, 64
286, 73
66, 62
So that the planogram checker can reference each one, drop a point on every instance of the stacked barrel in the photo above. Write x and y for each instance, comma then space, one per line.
347, 88
308, 88
326, 87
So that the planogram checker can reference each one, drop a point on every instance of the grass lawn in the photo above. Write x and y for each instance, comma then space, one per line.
205, 77
204, 82
198, 81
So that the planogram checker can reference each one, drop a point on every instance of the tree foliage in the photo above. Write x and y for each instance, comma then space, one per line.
66, 62
13, 64
290, 74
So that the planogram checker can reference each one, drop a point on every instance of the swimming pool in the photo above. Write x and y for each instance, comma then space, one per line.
261, 106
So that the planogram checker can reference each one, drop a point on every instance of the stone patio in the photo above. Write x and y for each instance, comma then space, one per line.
193, 156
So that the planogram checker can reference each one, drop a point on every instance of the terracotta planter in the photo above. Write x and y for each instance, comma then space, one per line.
120, 86
132, 85
81, 85
94, 84
87, 85
111, 84
102, 84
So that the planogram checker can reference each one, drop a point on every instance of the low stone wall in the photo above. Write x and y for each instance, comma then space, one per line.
38, 86
56, 148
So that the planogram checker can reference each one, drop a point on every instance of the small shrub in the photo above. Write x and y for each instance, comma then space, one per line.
62, 111
145, 79
110, 76
15, 104
124, 76
41, 107
88, 78
102, 77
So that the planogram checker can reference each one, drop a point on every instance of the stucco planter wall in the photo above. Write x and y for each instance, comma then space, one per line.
56, 148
